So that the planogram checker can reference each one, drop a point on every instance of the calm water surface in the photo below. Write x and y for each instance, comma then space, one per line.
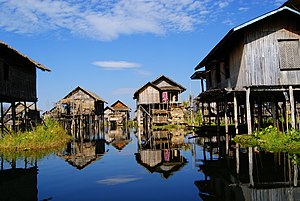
160, 167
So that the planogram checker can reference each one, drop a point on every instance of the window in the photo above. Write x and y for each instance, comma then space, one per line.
289, 54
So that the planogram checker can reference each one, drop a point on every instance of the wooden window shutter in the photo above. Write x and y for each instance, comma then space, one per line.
289, 54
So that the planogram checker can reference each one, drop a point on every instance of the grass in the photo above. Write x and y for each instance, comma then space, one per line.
272, 140
43, 139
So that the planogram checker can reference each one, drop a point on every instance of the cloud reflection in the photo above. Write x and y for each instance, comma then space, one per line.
118, 180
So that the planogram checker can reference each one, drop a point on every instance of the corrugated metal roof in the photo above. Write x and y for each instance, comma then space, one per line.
239, 28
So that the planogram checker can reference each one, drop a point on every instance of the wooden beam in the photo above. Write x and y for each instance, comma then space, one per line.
226, 125
236, 124
249, 124
292, 102
2, 120
13, 113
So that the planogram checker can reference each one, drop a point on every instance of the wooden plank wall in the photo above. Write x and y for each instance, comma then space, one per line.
254, 59
149, 95
20, 85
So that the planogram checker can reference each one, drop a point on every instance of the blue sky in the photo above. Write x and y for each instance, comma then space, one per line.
114, 47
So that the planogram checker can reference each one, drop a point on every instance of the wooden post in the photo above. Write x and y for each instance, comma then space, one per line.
209, 113
292, 102
25, 115
202, 110
249, 126
236, 124
226, 125
259, 103
274, 112
139, 116
2, 120
202, 86
13, 112
36, 114
218, 126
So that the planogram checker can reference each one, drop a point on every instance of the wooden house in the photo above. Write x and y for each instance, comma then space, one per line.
17, 80
255, 68
117, 114
79, 102
155, 99
82, 108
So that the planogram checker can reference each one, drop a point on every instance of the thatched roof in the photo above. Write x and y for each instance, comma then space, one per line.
36, 64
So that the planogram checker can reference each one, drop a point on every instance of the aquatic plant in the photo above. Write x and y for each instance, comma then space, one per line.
272, 140
44, 138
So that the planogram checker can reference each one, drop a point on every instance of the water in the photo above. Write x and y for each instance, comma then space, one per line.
161, 165
114, 169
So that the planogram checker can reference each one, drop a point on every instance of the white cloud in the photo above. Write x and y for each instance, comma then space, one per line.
116, 65
243, 9
105, 20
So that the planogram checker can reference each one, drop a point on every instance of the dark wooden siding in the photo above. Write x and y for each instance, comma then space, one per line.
17, 80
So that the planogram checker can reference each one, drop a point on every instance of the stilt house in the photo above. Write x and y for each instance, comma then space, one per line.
155, 99
80, 102
17, 81
80, 111
253, 74
118, 113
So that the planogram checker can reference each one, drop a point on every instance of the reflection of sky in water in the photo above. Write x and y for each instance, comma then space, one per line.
114, 175
118, 180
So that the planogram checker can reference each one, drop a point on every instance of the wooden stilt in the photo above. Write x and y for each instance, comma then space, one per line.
292, 102
218, 127
259, 103
274, 113
2, 120
249, 124
13, 112
236, 124
25, 115
226, 126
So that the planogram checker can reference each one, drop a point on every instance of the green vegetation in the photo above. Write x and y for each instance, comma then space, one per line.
168, 127
272, 140
42, 140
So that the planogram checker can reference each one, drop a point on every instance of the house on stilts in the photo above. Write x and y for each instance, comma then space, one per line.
156, 101
118, 114
80, 110
252, 76
18, 87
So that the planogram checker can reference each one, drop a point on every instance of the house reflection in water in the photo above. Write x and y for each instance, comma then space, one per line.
273, 176
160, 151
118, 137
84, 150
18, 183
